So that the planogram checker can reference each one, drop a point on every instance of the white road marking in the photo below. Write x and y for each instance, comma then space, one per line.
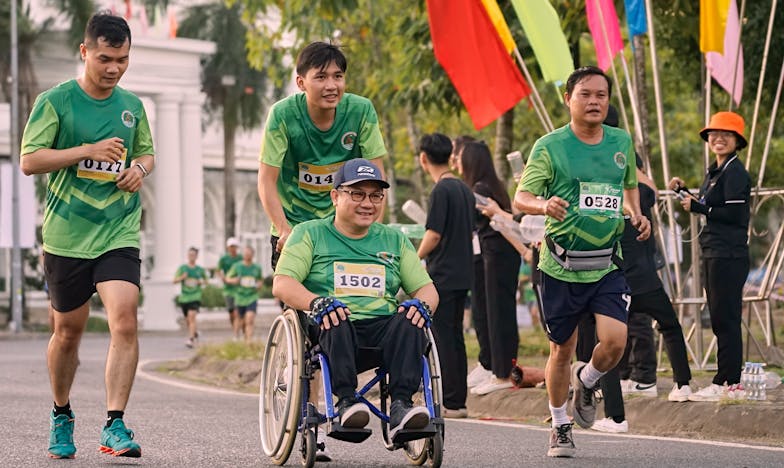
140, 372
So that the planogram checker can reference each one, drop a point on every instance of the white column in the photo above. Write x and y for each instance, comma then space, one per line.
192, 171
159, 310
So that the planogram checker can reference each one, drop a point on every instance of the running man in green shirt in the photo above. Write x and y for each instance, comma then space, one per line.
225, 263
308, 137
191, 278
347, 269
582, 178
93, 139
246, 277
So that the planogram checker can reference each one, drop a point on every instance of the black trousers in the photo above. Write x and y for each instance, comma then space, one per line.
724, 280
495, 306
610, 382
447, 330
640, 347
402, 346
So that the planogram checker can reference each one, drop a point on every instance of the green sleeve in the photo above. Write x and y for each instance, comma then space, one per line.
275, 141
204, 274
538, 173
179, 271
42, 127
630, 179
412, 273
371, 143
232, 271
297, 256
143, 142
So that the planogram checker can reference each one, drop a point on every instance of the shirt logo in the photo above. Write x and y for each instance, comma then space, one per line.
620, 160
386, 257
128, 119
348, 139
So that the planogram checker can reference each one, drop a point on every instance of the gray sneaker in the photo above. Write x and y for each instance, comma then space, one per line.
583, 399
561, 442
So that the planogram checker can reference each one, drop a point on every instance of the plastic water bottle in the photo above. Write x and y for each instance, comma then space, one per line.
745, 380
506, 226
758, 382
532, 228
414, 211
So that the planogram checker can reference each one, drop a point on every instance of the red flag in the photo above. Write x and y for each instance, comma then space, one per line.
603, 24
469, 49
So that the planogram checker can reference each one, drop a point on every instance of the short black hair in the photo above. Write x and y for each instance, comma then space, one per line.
320, 55
113, 29
583, 72
437, 147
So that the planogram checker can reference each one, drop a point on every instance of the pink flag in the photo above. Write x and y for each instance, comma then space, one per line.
603, 24
721, 66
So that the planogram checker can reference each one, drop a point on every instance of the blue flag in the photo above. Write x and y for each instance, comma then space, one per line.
635, 17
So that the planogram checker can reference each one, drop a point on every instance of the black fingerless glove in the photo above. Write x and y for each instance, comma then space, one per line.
321, 306
421, 307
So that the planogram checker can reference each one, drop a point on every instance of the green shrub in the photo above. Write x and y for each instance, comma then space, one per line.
232, 350
212, 297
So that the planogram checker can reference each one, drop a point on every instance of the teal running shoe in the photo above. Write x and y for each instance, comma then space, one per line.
117, 440
61, 429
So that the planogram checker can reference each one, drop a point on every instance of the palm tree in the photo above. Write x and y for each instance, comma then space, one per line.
234, 90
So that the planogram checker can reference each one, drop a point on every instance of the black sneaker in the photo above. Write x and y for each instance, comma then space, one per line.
561, 442
353, 414
583, 399
403, 415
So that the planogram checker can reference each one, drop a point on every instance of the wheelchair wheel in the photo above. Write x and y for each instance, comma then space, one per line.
418, 451
309, 448
280, 393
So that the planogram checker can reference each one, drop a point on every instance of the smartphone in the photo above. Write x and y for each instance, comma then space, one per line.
481, 200
681, 191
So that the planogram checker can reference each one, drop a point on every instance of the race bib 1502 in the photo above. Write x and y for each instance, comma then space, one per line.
317, 178
97, 170
353, 279
601, 199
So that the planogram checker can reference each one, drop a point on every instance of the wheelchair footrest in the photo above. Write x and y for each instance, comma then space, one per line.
407, 435
347, 434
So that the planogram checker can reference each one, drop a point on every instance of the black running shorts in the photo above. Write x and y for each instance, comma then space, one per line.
72, 280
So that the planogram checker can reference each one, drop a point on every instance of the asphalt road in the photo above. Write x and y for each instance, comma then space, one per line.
178, 424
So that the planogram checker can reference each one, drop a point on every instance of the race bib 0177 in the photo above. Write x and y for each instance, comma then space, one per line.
353, 279
317, 178
601, 199
98, 170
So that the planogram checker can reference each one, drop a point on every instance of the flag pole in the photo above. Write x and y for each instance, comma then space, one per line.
772, 16
707, 110
737, 53
772, 123
537, 100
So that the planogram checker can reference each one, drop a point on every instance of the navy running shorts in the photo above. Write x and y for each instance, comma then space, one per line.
564, 303
250, 308
187, 306
72, 280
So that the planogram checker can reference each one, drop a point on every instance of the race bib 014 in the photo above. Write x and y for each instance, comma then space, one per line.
98, 170
353, 279
317, 178
601, 199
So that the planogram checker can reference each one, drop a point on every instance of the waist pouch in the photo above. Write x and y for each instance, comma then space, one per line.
583, 260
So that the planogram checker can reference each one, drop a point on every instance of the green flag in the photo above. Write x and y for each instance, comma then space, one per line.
543, 30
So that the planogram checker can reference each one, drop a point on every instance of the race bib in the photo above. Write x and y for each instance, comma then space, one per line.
191, 282
97, 170
359, 280
317, 178
248, 282
601, 199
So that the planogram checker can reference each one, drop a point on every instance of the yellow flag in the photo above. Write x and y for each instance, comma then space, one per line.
713, 21
497, 18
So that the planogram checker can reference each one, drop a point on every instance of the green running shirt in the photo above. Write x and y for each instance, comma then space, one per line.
86, 215
592, 179
365, 274
225, 263
247, 291
190, 289
309, 157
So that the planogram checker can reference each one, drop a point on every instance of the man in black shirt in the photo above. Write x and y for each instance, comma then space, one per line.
446, 246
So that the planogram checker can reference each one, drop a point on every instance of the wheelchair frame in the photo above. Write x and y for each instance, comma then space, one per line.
289, 365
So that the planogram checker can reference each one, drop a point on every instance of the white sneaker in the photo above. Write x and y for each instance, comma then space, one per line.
636, 388
608, 425
477, 376
736, 392
679, 394
322, 455
712, 392
491, 385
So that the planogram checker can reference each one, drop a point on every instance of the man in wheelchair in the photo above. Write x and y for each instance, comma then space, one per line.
347, 269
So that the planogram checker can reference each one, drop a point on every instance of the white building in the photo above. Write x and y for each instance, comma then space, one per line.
183, 199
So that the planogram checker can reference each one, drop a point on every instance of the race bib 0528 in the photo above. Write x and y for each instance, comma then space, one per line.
601, 199
353, 279
317, 178
97, 170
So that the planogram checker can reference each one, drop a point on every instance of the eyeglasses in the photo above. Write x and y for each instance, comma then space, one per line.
359, 196
720, 133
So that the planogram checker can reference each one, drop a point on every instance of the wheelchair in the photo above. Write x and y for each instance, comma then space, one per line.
291, 360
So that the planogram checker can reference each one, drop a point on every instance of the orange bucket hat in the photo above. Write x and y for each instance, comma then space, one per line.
727, 121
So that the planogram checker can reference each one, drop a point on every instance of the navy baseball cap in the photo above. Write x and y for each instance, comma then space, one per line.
358, 170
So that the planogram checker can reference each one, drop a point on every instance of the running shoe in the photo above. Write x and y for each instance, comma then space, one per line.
353, 414
491, 385
640, 389
117, 440
61, 429
712, 392
679, 395
583, 399
561, 441
609, 425
478, 376
404, 415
